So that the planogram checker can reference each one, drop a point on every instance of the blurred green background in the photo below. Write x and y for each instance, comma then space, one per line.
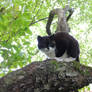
18, 36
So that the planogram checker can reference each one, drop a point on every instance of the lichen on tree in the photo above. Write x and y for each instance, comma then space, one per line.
47, 76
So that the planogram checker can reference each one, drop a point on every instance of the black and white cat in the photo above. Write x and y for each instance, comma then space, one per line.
60, 46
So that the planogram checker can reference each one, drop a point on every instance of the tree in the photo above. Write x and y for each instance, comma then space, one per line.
47, 76
17, 47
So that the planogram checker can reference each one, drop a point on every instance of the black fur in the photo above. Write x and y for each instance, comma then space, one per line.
63, 42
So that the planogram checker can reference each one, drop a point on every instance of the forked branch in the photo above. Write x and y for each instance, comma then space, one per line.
62, 24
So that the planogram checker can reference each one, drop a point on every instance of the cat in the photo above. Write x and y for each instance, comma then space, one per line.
60, 46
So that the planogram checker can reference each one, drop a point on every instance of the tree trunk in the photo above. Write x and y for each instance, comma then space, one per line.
47, 76
62, 25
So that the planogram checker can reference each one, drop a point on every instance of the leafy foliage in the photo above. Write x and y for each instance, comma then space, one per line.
17, 40
18, 45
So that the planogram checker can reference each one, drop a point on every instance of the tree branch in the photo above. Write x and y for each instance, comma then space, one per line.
38, 21
62, 24
47, 76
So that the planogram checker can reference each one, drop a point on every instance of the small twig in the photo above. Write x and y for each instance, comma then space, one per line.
37, 12
38, 21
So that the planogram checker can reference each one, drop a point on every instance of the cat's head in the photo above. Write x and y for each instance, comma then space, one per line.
45, 42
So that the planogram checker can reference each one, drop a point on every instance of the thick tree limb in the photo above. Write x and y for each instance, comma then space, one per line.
47, 76
62, 24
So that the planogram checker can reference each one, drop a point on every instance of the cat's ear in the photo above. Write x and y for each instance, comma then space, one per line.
39, 38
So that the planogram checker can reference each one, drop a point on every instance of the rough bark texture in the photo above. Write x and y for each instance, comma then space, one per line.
47, 76
62, 24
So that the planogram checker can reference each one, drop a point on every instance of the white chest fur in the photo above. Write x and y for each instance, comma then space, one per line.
50, 53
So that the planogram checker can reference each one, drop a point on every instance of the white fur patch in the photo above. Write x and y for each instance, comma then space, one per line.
69, 59
64, 55
50, 53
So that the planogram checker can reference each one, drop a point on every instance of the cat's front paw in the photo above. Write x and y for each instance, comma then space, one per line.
59, 59
69, 59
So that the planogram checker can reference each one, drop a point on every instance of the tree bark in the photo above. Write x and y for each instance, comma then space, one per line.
62, 25
47, 76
